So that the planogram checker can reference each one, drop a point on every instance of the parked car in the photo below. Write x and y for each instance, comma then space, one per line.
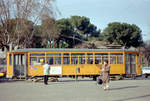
2, 73
146, 71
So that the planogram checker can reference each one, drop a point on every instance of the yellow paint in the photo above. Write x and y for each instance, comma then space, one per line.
117, 69
84, 69
138, 69
1, 74
9, 67
36, 70
138, 65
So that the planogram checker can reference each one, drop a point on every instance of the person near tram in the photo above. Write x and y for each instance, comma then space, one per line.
46, 68
105, 75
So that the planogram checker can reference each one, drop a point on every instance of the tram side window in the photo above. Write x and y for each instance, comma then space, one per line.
66, 60
116, 58
119, 59
50, 60
81, 60
74, 60
105, 57
112, 59
77, 58
98, 60
89, 58
99, 57
33, 60
57, 60
37, 58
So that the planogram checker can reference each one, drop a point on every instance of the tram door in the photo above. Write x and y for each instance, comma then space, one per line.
19, 65
130, 62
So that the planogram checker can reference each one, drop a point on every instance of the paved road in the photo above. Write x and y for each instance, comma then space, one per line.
69, 90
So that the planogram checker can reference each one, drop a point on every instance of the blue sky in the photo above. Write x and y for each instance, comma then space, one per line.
102, 12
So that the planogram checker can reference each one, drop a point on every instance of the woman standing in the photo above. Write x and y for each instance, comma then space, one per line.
105, 74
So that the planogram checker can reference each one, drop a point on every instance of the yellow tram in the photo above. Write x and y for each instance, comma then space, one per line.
71, 62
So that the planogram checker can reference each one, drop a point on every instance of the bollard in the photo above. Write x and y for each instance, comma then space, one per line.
76, 72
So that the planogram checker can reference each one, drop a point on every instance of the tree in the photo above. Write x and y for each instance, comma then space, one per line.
37, 40
79, 23
19, 37
82, 25
67, 34
49, 32
123, 34
21, 13
65, 27
76, 30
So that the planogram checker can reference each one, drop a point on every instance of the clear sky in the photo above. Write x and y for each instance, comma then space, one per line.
102, 12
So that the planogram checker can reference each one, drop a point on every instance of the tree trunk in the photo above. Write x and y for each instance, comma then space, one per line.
54, 43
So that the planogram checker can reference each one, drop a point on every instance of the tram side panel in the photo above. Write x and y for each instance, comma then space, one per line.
116, 69
84, 70
70, 69
35, 70
67, 70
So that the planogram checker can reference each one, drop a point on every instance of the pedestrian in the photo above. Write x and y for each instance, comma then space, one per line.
105, 74
46, 68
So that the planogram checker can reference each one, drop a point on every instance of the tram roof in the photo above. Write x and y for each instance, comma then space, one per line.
72, 50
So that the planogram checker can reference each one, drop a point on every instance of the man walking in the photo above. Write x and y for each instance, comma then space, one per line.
46, 72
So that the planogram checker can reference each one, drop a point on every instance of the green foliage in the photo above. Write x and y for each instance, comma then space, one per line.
67, 34
82, 25
123, 34
75, 30
64, 27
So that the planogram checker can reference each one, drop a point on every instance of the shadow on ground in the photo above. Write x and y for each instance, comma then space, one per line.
128, 87
75, 80
134, 98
